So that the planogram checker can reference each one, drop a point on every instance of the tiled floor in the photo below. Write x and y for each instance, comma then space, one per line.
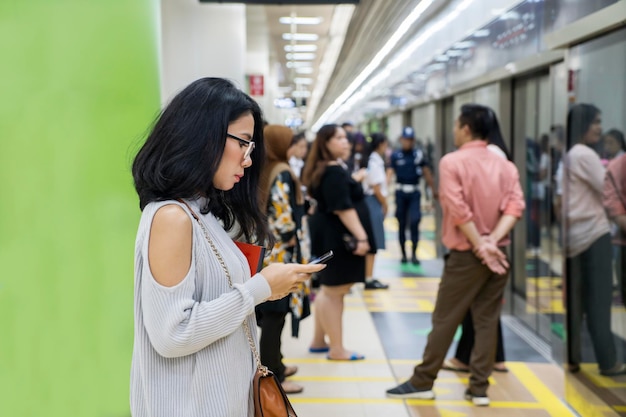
390, 327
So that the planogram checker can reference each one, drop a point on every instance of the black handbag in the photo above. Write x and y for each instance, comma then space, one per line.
350, 242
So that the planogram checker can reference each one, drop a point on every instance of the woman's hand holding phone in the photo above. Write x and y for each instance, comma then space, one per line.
285, 278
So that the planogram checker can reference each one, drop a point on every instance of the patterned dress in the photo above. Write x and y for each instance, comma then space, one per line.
285, 221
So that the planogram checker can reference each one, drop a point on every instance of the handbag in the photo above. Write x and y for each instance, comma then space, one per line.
270, 400
350, 242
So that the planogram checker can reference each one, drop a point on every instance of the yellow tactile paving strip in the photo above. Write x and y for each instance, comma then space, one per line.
357, 389
530, 393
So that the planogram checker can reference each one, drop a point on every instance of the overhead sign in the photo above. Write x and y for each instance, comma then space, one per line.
255, 85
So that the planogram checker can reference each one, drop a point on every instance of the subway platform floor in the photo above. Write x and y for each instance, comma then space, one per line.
390, 328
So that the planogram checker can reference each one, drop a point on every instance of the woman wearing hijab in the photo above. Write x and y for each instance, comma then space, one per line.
281, 199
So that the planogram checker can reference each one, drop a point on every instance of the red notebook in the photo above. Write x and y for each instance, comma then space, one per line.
254, 254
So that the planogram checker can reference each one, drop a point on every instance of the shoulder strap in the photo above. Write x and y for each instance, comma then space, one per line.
263, 369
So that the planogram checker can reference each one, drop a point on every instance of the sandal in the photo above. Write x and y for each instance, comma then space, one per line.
352, 357
290, 370
448, 365
500, 367
291, 387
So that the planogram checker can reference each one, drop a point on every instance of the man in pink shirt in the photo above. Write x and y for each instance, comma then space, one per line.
481, 199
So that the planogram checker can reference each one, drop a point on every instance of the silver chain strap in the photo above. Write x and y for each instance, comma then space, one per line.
263, 369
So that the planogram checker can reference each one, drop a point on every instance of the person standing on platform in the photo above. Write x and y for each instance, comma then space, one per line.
197, 177
481, 199
341, 212
410, 164
375, 188
459, 363
282, 201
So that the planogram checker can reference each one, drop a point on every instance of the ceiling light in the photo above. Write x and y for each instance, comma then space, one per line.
454, 52
300, 36
305, 70
512, 15
337, 31
374, 63
301, 56
299, 64
300, 20
301, 48
301, 93
481, 33
303, 81
464, 45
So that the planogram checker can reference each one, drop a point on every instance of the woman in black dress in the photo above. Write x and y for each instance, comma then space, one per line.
341, 211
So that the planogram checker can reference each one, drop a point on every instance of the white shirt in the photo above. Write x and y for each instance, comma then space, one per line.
493, 148
375, 175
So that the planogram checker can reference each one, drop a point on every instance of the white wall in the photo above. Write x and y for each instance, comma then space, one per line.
423, 121
201, 40
258, 61
394, 127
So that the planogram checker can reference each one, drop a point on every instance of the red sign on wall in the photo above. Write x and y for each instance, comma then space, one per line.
255, 85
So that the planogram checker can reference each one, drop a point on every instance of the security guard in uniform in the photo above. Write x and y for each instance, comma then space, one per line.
410, 164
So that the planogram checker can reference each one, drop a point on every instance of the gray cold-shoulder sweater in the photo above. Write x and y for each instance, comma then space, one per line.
191, 356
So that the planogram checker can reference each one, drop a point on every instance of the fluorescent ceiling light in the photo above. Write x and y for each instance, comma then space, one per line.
299, 64
338, 28
464, 45
300, 36
350, 97
301, 93
303, 81
510, 16
301, 48
374, 63
300, 20
301, 56
481, 33
442, 58
305, 70
454, 52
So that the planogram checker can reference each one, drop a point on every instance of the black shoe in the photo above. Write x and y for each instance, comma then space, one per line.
403, 260
618, 369
414, 260
375, 284
407, 390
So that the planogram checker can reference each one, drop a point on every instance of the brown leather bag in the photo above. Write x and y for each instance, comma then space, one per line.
270, 399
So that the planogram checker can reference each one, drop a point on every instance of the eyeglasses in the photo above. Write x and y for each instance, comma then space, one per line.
243, 142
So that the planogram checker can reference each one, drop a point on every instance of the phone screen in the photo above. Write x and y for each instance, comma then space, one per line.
323, 258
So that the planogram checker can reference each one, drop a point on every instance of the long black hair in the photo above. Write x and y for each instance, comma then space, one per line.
579, 119
494, 136
483, 124
184, 149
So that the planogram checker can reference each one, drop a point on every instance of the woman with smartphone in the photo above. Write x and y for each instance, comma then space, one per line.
197, 178
341, 211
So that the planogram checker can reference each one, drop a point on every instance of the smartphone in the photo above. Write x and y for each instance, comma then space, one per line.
322, 259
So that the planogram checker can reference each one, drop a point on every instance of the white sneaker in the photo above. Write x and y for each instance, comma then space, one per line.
478, 400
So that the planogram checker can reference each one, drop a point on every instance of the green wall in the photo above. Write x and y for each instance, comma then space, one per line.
78, 88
